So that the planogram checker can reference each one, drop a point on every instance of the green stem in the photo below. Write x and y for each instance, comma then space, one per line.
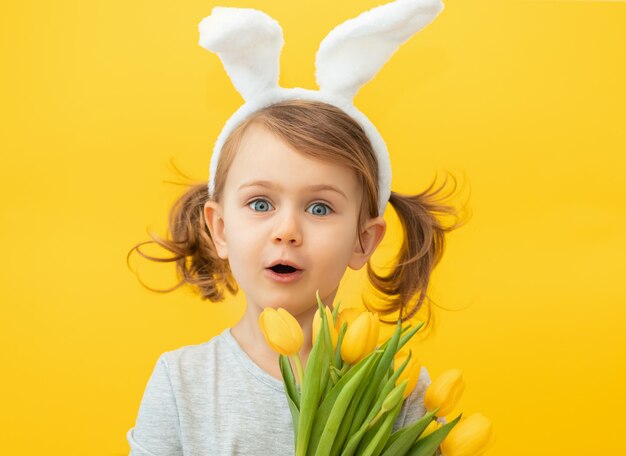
333, 374
296, 359
372, 423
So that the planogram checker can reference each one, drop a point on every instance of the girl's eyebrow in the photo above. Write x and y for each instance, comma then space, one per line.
271, 185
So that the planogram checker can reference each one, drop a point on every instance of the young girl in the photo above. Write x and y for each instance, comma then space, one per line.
299, 181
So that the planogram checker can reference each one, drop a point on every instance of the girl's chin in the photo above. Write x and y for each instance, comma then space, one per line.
291, 303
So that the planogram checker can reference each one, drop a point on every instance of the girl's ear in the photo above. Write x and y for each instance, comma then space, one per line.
371, 235
214, 218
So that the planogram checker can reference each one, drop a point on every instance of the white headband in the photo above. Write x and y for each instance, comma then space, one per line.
249, 43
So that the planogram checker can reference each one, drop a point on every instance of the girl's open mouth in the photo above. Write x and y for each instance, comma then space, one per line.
282, 273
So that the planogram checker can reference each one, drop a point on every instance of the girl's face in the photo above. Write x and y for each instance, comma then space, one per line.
278, 205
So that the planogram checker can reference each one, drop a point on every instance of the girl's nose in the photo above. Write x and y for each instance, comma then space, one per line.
287, 230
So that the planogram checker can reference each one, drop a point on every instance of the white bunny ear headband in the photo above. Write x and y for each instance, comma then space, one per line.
249, 43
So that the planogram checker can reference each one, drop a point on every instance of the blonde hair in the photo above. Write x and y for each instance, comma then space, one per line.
322, 131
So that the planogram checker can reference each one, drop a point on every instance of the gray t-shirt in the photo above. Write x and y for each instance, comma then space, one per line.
213, 399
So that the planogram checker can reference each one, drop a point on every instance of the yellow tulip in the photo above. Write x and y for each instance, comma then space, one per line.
317, 321
471, 436
347, 315
360, 338
282, 331
411, 372
432, 427
444, 392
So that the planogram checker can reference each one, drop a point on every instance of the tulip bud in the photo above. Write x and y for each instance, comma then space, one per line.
471, 436
393, 398
360, 338
317, 321
411, 372
282, 331
444, 392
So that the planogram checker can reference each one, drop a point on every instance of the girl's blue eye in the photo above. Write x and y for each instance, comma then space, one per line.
322, 205
264, 203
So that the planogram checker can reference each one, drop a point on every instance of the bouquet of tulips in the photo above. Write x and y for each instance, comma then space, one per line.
352, 391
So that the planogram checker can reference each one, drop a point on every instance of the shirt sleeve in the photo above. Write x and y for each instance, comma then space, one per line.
157, 428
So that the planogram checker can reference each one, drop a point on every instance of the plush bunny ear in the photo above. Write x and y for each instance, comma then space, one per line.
248, 42
353, 52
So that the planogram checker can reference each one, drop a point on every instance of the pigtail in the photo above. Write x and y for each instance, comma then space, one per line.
189, 240
421, 251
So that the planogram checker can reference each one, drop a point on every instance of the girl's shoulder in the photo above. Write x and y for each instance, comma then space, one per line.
197, 358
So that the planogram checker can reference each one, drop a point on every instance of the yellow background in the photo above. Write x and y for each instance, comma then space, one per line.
525, 100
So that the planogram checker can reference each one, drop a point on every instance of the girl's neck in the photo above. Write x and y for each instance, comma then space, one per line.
250, 337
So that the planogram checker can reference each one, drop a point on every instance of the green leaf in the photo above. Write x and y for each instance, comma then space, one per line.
327, 357
323, 412
289, 380
402, 440
335, 313
295, 418
310, 393
324, 378
344, 429
428, 445
379, 440
339, 408
355, 439
385, 362
367, 437
338, 361
293, 395
406, 337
